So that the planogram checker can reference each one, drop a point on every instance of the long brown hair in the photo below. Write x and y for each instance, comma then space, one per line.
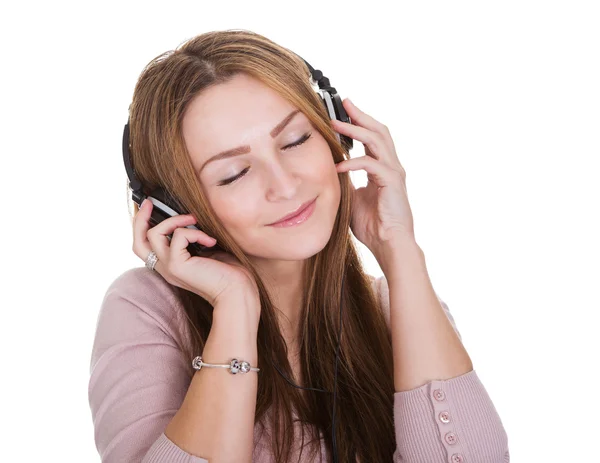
365, 386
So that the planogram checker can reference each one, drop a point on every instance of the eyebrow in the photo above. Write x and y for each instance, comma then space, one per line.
244, 149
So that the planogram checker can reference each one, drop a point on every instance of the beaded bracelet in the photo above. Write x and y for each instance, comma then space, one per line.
234, 367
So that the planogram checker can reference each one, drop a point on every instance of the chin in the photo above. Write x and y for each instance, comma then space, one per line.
295, 251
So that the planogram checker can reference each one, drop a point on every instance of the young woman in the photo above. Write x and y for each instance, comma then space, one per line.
231, 126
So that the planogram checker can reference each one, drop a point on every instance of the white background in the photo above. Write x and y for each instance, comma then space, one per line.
494, 111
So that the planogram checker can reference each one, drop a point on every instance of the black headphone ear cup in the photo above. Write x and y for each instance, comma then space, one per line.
340, 111
160, 194
163, 206
340, 115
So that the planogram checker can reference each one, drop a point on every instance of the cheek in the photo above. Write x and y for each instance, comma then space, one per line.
321, 162
235, 213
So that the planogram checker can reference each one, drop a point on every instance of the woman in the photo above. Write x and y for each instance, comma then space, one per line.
405, 390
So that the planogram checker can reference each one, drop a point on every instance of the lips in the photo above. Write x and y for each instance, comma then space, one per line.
294, 214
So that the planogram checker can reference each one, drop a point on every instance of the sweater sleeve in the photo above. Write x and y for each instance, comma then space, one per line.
138, 373
452, 420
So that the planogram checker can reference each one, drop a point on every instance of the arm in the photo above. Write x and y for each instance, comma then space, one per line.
441, 408
425, 344
217, 414
148, 404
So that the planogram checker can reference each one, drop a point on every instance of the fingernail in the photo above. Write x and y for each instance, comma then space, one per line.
349, 101
143, 202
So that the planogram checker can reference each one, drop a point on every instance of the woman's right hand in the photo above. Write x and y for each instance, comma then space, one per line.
210, 277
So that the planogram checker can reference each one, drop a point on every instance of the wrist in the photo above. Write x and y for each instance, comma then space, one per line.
239, 309
400, 253
224, 344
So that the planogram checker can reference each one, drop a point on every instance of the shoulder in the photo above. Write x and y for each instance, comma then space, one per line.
139, 374
140, 304
144, 287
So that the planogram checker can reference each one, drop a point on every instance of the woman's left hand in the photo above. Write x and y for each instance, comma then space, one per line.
381, 215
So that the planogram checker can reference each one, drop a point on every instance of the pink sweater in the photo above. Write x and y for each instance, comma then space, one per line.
139, 378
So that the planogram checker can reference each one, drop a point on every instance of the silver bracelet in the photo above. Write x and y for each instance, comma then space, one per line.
236, 366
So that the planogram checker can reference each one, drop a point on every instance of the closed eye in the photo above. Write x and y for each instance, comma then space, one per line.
299, 142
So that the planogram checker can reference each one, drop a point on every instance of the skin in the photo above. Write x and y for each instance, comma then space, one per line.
243, 111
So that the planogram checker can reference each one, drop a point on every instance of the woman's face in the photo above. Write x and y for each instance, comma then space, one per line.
267, 179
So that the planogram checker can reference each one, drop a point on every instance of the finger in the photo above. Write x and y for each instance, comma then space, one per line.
158, 236
373, 140
182, 237
167, 226
151, 238
362, 119
377, 172
141, 225
141, 245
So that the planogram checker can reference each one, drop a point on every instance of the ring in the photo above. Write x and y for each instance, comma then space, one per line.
151, 260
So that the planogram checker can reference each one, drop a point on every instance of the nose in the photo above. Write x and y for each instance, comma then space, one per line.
282, 180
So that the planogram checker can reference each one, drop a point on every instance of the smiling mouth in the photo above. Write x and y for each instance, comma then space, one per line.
300, 211
299, 218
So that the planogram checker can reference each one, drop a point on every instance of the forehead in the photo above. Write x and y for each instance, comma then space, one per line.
230, 114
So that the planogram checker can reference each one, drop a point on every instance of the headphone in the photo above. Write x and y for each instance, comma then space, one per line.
165, 205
